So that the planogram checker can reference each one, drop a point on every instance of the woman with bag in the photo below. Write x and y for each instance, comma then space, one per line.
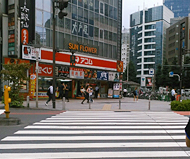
86, 94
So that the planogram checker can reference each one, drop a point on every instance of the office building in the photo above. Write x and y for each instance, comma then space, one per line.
180, 8
148, 40
88, 42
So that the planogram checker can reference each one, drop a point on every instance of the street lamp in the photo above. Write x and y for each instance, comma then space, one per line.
61, 4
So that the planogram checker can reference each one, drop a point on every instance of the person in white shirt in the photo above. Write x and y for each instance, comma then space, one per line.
50, 94
173, 93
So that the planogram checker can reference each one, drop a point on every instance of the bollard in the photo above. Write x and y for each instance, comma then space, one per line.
89, 101
27, 101
149, 104
119, 103
63, 103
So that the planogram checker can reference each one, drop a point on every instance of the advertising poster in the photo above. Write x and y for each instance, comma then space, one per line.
149, 82
143, 81
76, 73
113, 76
30, 53
119, 66
90, 74
116, 86
32, 85
102, 75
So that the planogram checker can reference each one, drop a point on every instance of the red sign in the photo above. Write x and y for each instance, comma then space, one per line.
63, 58
24, 36
12, 60
44, 70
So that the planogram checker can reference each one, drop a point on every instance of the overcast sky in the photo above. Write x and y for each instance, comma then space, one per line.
131, 6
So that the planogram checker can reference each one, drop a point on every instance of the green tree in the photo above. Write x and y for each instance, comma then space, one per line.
132, 72
186, 73
159, 76
174, 82
16, 76
165, 74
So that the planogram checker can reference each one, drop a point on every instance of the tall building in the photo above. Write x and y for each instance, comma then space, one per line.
181, 8
125, 48
88, 42
178, 40
148, 38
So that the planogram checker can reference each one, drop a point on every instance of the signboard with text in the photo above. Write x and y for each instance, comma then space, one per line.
113, 76
102, 75
76, 73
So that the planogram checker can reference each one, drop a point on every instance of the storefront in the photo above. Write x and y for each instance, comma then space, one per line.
87, 70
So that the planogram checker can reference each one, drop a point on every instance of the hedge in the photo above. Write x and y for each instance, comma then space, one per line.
180, 106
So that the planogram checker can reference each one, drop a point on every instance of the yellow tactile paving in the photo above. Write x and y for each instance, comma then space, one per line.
107, 107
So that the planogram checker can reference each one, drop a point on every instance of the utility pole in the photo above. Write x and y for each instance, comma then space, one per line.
61, 4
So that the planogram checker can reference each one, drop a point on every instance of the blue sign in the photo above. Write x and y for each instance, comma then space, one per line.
102, 75
171, 73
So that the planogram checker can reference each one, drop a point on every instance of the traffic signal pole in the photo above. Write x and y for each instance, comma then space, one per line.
7, 100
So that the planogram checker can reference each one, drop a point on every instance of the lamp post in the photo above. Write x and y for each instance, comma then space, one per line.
61, 4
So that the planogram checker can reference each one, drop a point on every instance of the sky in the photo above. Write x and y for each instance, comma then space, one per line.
131, 6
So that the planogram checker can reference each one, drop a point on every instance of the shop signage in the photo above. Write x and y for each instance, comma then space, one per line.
27, 21
76, 73
15, 61
102, 75
113, 76
29, 52
143, 81
116, 86
63, 71
63, 58
90, 74
82, 48
44, 70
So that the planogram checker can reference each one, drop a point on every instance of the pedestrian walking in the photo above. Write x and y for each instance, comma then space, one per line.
61, 90
86, 95
90, 94
96, 91
135, 93
124, 92
82, 90
173, 94
67, 92
50, 94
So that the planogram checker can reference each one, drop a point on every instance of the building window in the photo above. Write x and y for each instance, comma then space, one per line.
101, 8
101, 34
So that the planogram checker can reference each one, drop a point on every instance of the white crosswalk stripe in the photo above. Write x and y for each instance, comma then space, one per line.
100, 134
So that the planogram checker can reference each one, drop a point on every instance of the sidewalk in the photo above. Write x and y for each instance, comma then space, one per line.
127, 104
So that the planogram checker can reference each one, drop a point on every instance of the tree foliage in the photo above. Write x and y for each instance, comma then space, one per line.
16, 76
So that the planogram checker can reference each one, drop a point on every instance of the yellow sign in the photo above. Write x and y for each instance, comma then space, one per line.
82, 48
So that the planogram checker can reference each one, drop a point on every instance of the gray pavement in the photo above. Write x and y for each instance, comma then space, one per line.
127, 104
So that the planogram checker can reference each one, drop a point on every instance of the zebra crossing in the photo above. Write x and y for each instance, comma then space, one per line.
100, 134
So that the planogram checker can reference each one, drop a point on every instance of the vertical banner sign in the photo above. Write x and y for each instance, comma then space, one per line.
149, 80
32, 85
143, 81
27, 21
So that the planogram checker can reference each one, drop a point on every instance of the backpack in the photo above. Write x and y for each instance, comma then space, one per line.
48, 92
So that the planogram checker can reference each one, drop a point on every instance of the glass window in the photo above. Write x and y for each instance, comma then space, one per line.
115, 3
91, 5
47, 37
100, 49
39, 4
61, 40
106, 10
80, 40
74, 9
46, 19
110, 36
85, 16
101, 19
67, 23
101, 34
85, 41
74, 2
60, 22
115, 13
47, 5
97, 6
39, 35
91, 18
101, 8
39, 17
80, 3
85, 4
106, 50
96, 32
106, 34
97, 17
80, 12
110, 11
110, 51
